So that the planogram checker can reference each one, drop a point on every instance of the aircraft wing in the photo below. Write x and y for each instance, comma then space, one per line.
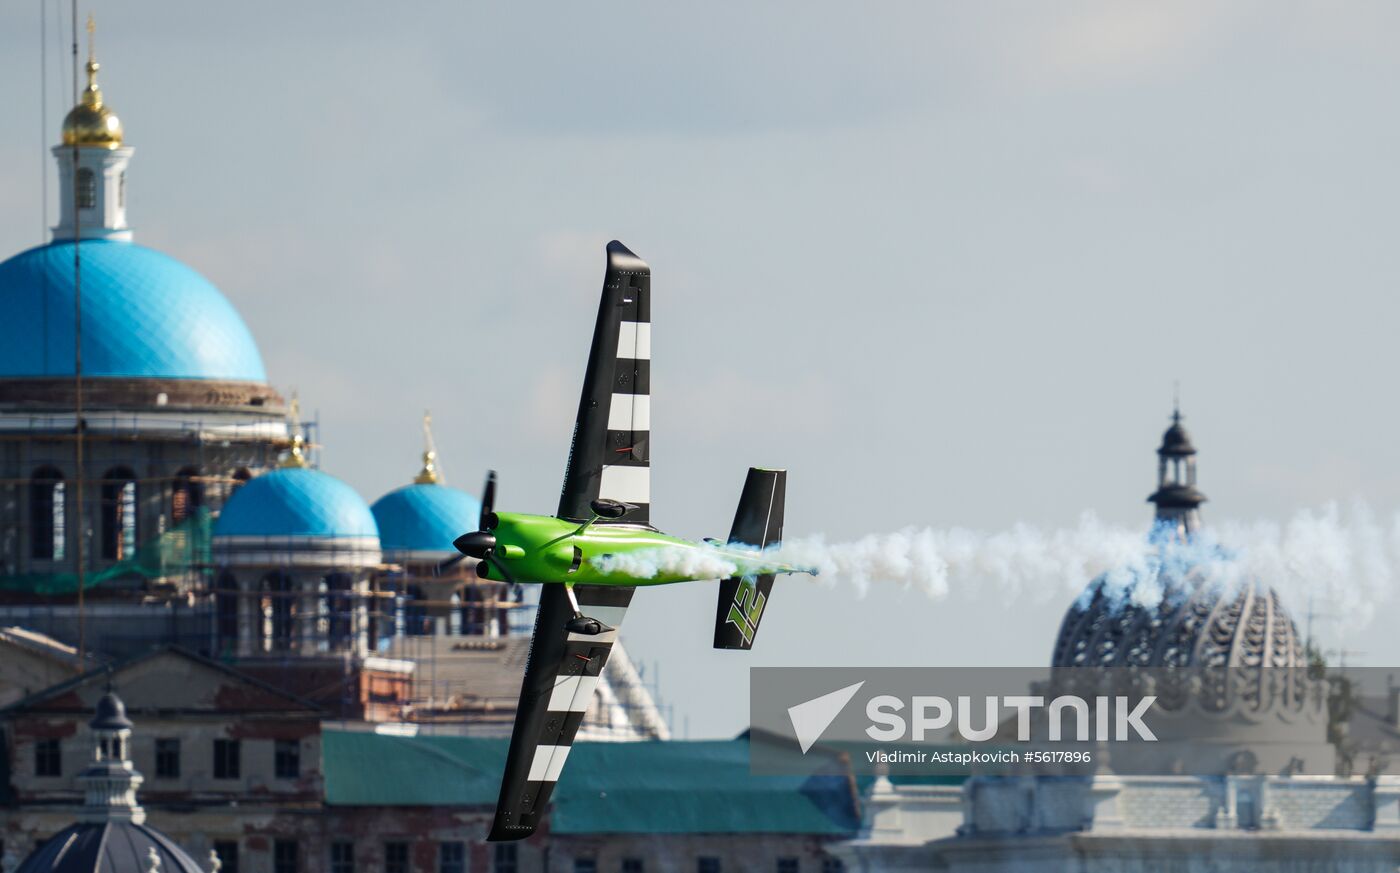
560, 680
611, 453
610, 458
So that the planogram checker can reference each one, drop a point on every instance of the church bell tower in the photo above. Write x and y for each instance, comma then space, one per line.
1177, 500
92, 165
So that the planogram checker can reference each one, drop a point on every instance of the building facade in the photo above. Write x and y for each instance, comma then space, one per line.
1259, 786
156, 490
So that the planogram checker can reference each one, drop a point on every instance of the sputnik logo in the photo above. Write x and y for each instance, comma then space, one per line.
811, 719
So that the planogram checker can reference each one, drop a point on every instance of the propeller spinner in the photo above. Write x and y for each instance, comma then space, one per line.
478, 543
481, 544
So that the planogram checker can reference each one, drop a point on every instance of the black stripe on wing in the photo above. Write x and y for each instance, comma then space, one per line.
611, 451
561, 676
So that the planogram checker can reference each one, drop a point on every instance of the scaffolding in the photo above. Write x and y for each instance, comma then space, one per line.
387, 641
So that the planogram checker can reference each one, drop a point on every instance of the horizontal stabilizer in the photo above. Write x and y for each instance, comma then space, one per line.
757, 523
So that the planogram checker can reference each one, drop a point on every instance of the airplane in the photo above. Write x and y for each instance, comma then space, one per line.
600, 546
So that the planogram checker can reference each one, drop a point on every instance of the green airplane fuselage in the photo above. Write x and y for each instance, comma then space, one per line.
542, 548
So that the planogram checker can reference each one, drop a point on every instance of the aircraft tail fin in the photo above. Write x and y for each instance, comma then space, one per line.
758, 523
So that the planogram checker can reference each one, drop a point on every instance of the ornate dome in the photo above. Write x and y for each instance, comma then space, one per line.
1189, 617
111, 835
111, 714
1198, 622
145, 315
108, 847
1176, 440
92, 123
422, 520
296, 502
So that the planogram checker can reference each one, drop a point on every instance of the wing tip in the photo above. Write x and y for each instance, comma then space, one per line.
507, 833
620, 257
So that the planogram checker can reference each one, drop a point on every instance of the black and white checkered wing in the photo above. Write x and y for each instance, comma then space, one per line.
611, 453
560, 681
609, 459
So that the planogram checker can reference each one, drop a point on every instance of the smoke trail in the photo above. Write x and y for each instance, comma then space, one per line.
704, 563
1348, 560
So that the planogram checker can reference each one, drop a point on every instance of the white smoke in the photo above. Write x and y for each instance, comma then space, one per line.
700, 563
1348, 560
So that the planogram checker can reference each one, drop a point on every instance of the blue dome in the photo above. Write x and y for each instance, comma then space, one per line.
296, 502
424, 518
145, 315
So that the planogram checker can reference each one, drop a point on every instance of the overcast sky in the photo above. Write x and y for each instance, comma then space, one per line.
943, 261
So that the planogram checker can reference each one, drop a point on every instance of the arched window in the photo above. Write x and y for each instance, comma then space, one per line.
119, 514
339, 608
277, 604
187, 495
87, 188
121, 190
47, 514
226, 612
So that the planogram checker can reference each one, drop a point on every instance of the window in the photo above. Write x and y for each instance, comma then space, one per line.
833, 865
633, 865
342, 857
396, 857
340, 609
168, 759
787, 865
706, 865
48, 758
121, 201
416, 622
227, 850
187, 494
507, 858
585, 865
226, 611
452, 858
227, 763
119, 515
284, 856
87, 188
286, 759
278, 607
46, 515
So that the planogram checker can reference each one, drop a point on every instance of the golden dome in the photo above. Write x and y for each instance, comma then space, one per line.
92, 123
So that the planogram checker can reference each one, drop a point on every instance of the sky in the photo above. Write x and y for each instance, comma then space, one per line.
945, 262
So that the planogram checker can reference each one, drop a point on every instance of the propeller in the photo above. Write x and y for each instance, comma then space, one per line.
478, 543
488, 500
481, 544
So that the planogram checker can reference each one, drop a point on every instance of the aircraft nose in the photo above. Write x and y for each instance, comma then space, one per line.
477, 544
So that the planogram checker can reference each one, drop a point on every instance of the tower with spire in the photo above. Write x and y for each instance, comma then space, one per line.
92, 161
1177, 500
110, 781
111, 834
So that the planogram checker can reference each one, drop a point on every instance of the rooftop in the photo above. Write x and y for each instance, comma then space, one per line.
652, 787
